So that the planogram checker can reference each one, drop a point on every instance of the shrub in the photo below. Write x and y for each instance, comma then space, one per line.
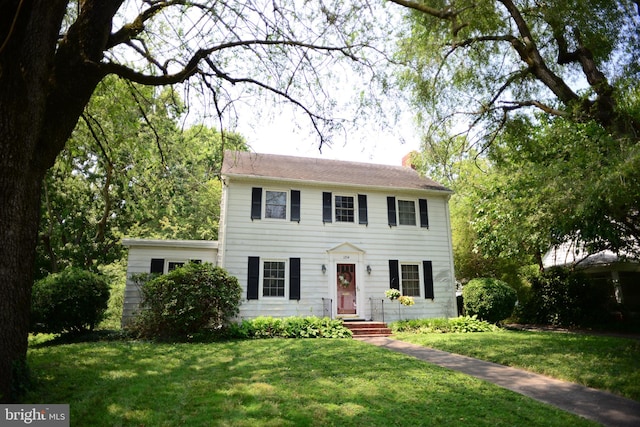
490, 299
188, 300
292, 327
562, 297
462, 324
73, 300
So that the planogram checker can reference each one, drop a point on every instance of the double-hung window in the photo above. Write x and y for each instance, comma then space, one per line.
406, 212
275, 205
403, 212
277, 278
341, 208
345, 209
273, 279
410, 280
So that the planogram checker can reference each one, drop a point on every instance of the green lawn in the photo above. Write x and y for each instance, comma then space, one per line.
605, 363
277, 382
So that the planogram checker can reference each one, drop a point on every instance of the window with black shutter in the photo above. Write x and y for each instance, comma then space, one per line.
256, 203
326, 207
157, 266
294, 279
424, 213
253, 277
394, 274
391, 211
428, 279
295, 205
363, 217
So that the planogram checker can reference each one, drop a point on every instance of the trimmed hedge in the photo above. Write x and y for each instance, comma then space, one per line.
73, 300
490, 299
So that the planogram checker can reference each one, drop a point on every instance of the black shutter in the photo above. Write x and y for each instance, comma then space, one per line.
294, 278
295, 205
363, 217
391, 211
157, 265
427, 269
394, 274
326, 207
424, 213
256, 202
253, 278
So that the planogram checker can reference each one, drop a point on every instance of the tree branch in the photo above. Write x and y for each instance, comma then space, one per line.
514, 105
447, 13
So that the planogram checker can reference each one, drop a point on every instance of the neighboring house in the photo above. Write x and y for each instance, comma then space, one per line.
319, 237
619, 273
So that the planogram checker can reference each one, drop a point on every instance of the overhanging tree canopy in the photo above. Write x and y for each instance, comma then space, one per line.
53, 53
549, 91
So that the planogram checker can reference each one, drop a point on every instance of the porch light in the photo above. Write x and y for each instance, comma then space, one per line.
368, 269
324, 269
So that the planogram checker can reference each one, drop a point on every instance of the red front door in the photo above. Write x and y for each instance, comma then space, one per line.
346, 285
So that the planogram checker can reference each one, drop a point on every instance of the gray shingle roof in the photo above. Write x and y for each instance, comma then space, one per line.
324, 171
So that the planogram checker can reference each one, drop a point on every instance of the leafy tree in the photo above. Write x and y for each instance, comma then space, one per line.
54, 53
547, 92
129, 170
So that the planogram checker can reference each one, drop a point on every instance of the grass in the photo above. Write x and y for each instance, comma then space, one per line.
605, 363
276, 382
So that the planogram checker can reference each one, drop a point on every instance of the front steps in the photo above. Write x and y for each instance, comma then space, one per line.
364, 329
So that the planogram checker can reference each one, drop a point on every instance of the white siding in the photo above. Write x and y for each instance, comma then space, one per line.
311, 240
142, 252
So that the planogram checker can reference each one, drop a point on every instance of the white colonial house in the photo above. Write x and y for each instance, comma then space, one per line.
317, 237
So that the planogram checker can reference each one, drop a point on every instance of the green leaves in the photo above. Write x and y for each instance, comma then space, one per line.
130, 170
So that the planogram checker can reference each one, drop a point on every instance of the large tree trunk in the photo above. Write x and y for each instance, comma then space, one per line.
44, 85
19, 208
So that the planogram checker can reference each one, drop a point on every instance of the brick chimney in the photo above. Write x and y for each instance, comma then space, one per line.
407, 160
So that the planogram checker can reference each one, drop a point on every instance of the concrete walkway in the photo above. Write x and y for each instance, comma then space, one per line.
603, 407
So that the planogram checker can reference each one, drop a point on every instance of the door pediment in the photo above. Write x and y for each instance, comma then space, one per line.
345, 247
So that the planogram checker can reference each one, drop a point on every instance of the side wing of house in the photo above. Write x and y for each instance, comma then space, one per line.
310, 248
160, 257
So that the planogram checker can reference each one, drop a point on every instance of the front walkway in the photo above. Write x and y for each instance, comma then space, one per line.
603, 407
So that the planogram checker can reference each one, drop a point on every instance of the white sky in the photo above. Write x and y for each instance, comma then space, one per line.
292, 135
281, 138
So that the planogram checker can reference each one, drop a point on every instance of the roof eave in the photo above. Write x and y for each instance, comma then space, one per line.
316, 183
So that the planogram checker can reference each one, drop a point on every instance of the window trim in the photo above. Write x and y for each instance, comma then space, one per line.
285, 279
287, 204
360, 208
419, 284
354, 209
415, 213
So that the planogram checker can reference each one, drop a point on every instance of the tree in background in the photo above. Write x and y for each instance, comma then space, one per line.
128, 170
54, 53
544, 96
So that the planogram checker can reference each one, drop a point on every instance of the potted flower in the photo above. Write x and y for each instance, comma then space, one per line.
405, 300
392, 294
